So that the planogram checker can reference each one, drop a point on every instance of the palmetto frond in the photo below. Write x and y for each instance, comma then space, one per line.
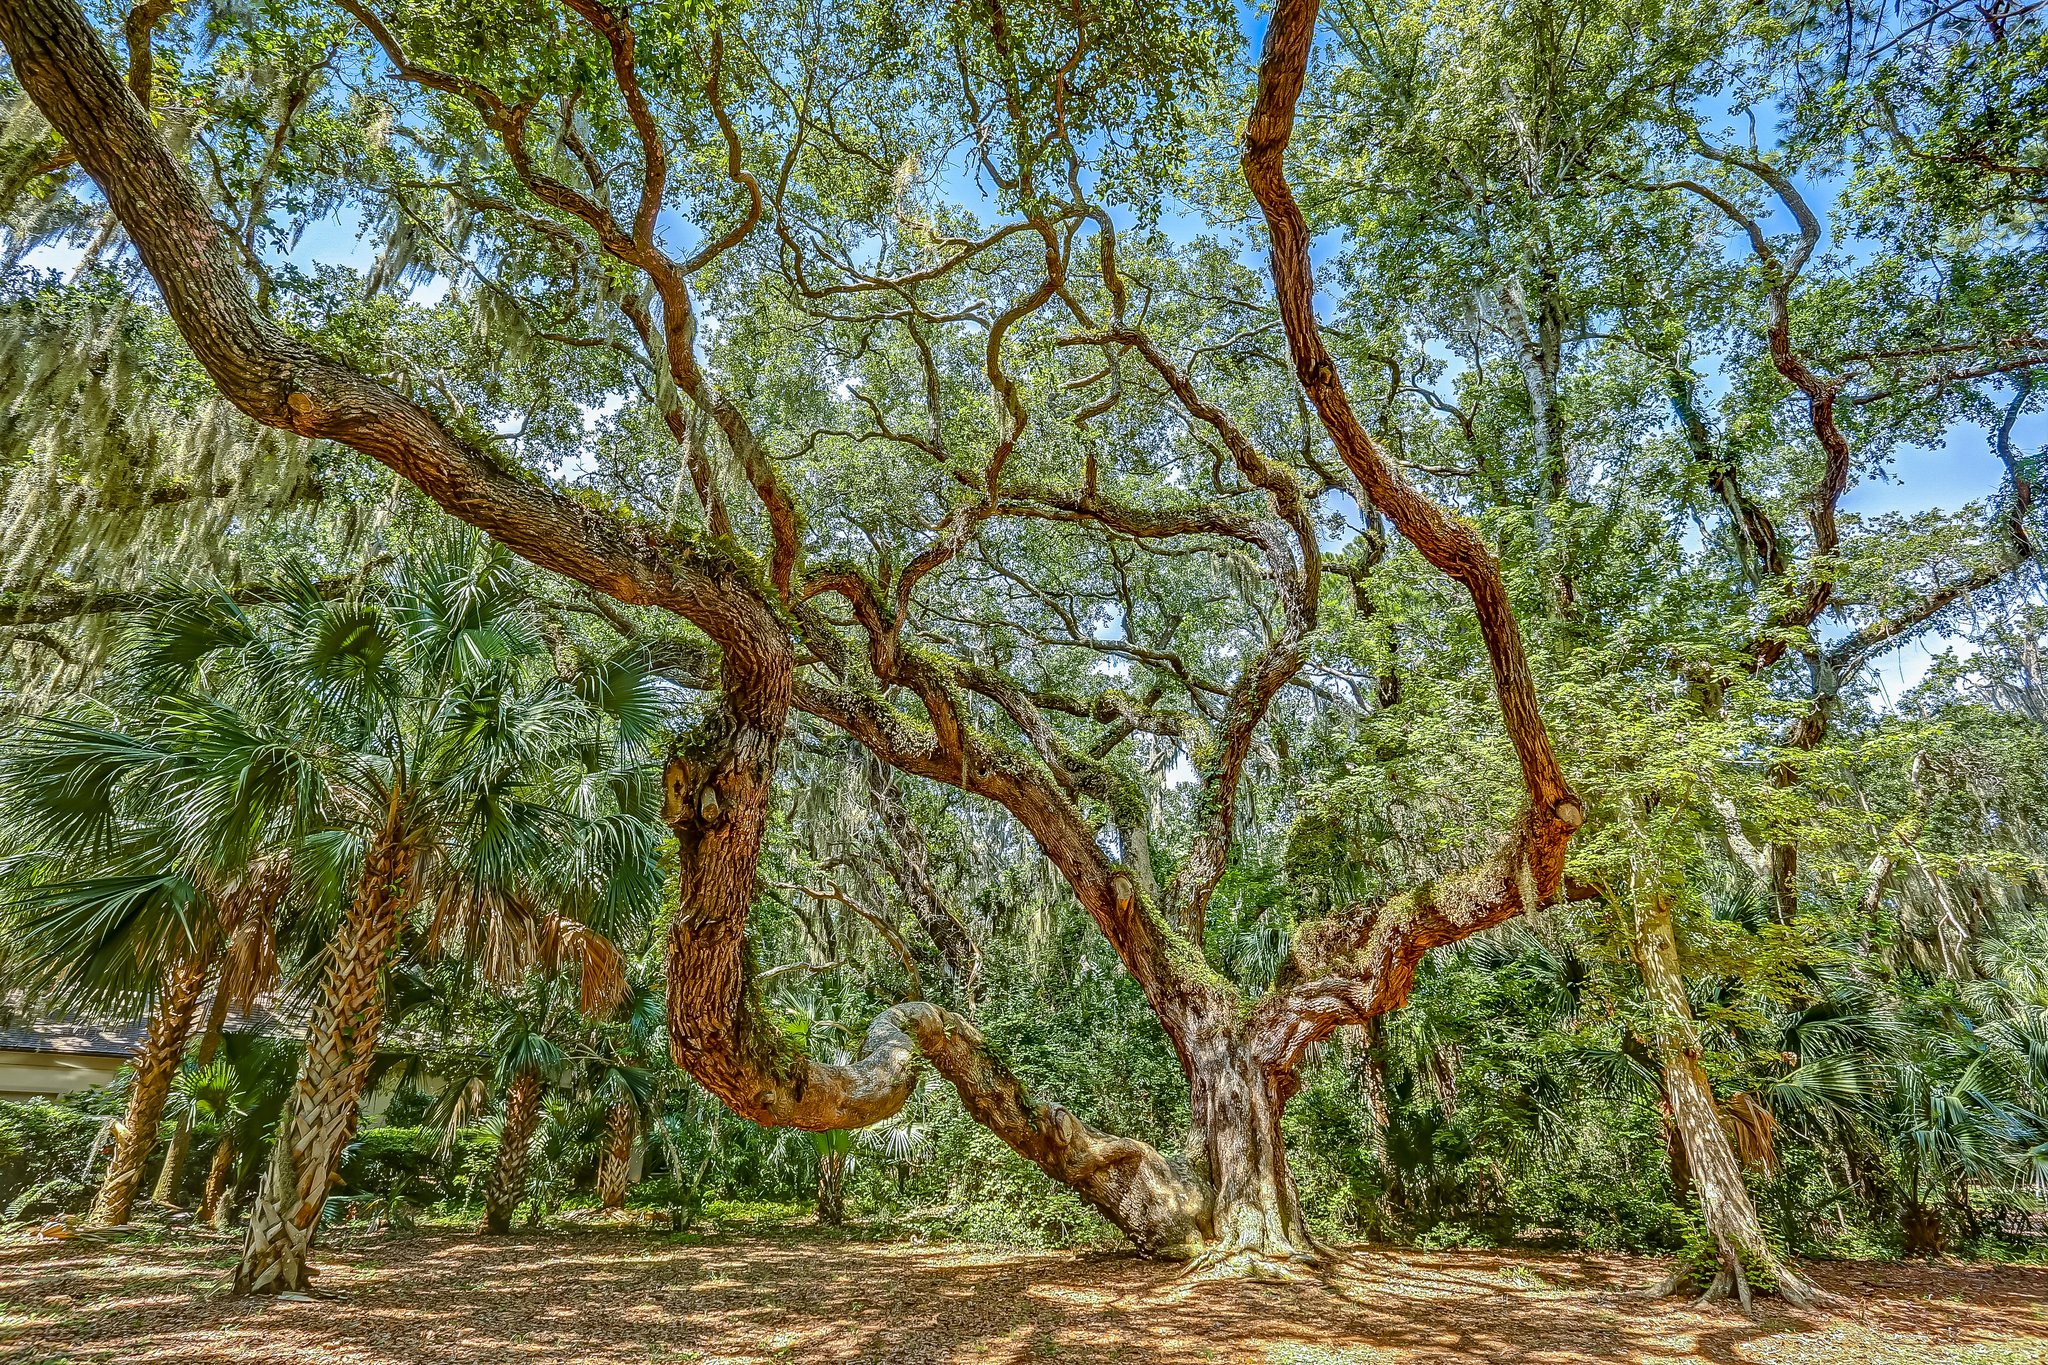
521, 1047
1846, 1085
621, 1083
64, 782
213, 1091
638, 702
104, 941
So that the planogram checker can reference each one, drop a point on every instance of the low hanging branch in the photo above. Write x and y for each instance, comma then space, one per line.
719, 795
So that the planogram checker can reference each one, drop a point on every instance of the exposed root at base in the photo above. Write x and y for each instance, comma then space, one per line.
1283, 1265
1731, 1281
1719, 1289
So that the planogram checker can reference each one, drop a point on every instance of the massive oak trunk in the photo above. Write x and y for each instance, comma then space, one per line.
156, 1065
1255, 1223
340, 1045
1725, 1205
508, 1177
715, 797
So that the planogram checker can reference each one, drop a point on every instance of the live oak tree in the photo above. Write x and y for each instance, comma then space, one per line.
942, 445
821, 222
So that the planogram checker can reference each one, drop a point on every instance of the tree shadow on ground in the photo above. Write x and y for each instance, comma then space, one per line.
612, 1297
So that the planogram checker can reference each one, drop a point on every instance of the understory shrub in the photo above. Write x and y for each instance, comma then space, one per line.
40, 1141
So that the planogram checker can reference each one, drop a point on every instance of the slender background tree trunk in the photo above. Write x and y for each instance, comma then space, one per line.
1368, 1067
613, 1166
163, 1049
181, 1139
1725, 1205
831, 1185
212, 1204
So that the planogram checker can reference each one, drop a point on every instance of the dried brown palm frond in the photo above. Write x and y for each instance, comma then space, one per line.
496, 931
507, 937
600, 966
1753, 1130
249, 910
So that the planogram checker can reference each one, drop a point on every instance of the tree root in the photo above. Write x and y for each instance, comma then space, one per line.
1222, 1263
1732, 1281
1299, 1258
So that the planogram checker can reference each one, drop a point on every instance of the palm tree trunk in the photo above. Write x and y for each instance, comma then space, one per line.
340, 1043
618, 1156
1725, 1205
163, 1048
181, 1140
212, 1209
831, 1187
508, 1177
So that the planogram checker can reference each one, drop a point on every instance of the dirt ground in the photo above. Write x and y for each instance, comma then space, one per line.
614, 1297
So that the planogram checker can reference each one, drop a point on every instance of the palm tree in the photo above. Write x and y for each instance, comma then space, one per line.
626, 1047
131, 913
387, 739
155, 1065
442, 726
404, 741
626, 1092
211, 1089
615, 1163
527, 1059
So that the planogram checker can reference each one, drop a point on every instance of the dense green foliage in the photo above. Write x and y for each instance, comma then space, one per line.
1689, 307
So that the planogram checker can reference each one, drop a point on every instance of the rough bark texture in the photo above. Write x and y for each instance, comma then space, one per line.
1162, 1211
507, 1184
1358, 966
168, 1177
155, 1066
1725, 1205
617, 1160
340, 1044
213, 1204
1256, 1226
831, 1187
715, 797
717, 802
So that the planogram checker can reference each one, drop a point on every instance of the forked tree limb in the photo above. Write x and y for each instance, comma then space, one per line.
1449, 543
1360, 964
1357, 966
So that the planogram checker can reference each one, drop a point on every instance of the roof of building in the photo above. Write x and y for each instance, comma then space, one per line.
117, 1038
85, 1039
